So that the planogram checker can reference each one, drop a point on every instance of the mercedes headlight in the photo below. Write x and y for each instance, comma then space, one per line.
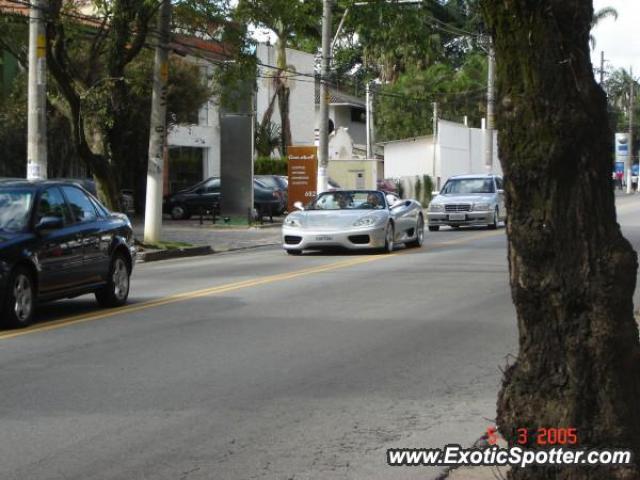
365, 222
436, 207
292, 222
481, 207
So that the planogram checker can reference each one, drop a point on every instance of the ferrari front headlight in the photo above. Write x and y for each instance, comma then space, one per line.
292, 222
365, 222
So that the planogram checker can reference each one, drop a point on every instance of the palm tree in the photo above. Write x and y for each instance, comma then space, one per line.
597, 17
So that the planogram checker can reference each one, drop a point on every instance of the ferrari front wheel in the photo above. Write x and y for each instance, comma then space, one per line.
389, 237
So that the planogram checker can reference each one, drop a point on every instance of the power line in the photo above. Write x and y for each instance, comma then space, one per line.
291, 74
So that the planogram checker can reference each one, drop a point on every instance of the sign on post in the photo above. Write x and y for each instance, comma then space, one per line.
303, 174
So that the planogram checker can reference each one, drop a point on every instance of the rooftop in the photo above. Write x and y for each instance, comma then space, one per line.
338, 98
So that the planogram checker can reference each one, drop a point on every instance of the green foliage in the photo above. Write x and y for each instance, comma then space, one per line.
62, 159
400, 188
385, 39
270, 166
618, 88
427, 184
290, 20
235, 79
204, 19
267, 138
13, 131
404, 109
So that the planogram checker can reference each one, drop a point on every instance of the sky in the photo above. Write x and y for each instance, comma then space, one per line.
619, 39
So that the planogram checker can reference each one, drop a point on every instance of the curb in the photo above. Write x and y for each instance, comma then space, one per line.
155, 255
267, 225
248, 247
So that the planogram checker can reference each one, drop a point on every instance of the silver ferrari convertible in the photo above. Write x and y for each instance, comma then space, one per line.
354, 219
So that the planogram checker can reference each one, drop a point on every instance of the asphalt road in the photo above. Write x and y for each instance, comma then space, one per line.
258, 365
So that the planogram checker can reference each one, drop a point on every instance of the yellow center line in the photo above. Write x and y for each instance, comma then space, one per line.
180, 297
228, 287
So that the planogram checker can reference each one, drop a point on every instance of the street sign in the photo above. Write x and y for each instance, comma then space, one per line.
303, 174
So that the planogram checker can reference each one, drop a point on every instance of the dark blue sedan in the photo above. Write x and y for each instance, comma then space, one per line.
58, 241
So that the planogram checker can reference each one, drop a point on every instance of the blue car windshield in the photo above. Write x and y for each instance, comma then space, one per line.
469, 185
15, 205
349, 200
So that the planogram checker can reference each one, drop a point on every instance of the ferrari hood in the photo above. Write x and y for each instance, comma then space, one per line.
336, 219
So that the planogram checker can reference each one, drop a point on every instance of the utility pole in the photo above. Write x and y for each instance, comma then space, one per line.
323, 150
435, 141
368, 119
490, 126
630, 156
158, 130
37, 93
601, 67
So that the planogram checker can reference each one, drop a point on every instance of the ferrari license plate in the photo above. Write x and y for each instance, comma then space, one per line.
457, 216
324, 238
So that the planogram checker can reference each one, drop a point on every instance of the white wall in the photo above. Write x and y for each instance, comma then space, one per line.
454, 152
341, 116
302, 92
459, 150
410, 157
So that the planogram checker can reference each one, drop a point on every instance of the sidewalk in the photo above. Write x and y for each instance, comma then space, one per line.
479, 472
219, 237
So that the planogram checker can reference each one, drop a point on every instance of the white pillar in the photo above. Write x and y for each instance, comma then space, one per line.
158, 134
37, 93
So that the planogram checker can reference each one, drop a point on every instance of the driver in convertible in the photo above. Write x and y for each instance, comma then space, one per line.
373, 201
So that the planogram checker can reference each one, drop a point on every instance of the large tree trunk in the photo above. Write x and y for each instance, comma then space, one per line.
283, 105
572, 273
283, 92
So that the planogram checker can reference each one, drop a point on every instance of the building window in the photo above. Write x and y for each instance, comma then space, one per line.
185, 167
358, 115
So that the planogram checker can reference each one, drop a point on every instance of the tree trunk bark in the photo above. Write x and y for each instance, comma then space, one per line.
283, 92
572, 273
283, 106
99, 165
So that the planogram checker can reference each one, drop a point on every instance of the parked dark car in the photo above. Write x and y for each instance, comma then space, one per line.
280, 185
58, 241
205, 196
126, 195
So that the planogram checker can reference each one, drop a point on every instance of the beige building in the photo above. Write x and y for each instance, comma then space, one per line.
348, 165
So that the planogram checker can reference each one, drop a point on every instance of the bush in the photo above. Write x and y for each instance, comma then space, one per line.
422, 187
427, 188
270, 166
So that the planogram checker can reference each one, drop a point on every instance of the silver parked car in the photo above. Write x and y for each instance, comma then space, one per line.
468, 200
354, 219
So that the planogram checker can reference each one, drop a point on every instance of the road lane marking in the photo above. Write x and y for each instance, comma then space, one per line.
180, 297
229, 287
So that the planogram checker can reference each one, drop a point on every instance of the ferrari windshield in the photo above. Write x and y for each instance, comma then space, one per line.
15, 205
468, 185
349, 200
